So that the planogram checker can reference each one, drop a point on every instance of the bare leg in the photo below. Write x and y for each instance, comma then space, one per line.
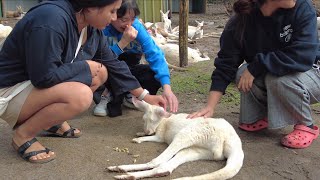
97, 81
47, 107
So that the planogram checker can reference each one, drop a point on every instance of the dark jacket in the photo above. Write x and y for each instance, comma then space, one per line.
283, 43
43, 43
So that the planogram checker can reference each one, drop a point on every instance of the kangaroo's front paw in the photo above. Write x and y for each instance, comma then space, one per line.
125, 176
116, 169
140, 134
136, 140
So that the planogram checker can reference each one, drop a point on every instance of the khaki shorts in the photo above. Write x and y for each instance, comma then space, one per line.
12, 112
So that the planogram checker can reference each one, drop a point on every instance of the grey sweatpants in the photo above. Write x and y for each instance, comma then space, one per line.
282, 100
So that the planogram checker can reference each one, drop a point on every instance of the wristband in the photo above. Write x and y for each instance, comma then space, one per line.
143, 94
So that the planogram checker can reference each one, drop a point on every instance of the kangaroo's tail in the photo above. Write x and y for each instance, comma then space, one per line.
233, 166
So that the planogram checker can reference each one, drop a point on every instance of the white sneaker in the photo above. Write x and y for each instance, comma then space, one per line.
101, 108
127, 101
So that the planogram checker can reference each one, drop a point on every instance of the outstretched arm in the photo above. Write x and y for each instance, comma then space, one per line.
208, 110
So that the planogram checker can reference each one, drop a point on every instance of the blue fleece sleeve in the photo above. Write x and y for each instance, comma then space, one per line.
299, 55
44, 48
116, 49
153, 54
112, 40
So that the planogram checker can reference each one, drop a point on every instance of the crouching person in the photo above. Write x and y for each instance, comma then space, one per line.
281, 78
129, 39
50, 65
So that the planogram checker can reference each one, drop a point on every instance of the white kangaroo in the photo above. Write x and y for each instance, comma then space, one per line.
194, 32
166, 21
189, 140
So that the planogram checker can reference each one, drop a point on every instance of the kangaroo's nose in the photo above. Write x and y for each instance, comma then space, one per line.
147, 131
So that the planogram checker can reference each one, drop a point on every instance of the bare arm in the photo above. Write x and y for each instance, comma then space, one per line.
151, 99
208, 110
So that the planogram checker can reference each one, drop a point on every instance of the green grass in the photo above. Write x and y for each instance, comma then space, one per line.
197, 81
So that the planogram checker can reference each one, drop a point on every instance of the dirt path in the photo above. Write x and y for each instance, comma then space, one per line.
88, 156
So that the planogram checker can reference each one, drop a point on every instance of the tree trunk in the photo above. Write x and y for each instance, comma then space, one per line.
183, 32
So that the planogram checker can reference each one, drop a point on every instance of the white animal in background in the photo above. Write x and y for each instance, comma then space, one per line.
171, 52
16, 13
5, 30
166, 21
194, 32
318, 22
189, 140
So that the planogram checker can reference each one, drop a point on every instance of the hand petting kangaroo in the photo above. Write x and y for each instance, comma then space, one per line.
189, 140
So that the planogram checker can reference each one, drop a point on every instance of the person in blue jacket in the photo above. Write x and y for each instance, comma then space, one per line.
276, 41
129, 39
54, 59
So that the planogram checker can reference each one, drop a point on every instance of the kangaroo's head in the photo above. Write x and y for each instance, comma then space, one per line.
199, 24
152, 115
165, 16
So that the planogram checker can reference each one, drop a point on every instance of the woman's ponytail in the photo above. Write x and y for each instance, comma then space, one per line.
243, 7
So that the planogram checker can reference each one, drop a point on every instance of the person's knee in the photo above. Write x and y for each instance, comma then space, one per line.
240, 72
103, 75
276, 83
81, 99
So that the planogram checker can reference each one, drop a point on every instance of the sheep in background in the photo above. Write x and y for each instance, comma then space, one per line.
189, 140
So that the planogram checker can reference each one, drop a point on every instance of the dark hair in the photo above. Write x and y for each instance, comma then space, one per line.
243, 9
128, 5
80, 4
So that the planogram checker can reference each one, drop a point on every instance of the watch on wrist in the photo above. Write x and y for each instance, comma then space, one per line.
143, 94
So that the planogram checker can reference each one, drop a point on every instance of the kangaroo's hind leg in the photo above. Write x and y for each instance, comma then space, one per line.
165, 156
166, 168
186, 155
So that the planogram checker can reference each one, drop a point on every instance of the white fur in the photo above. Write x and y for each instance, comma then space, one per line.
318, 22
171, 52
166, 21
194, 32
5, 30
189, 140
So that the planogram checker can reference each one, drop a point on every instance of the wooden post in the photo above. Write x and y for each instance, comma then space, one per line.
4, 8
205, 6
183, 32
170, 8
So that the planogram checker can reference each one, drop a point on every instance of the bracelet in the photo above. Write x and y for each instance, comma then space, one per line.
143, 94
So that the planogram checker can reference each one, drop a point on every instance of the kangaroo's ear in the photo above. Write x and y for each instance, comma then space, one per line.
161, 12
160, 111
197, 21
167, 13
141, 105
